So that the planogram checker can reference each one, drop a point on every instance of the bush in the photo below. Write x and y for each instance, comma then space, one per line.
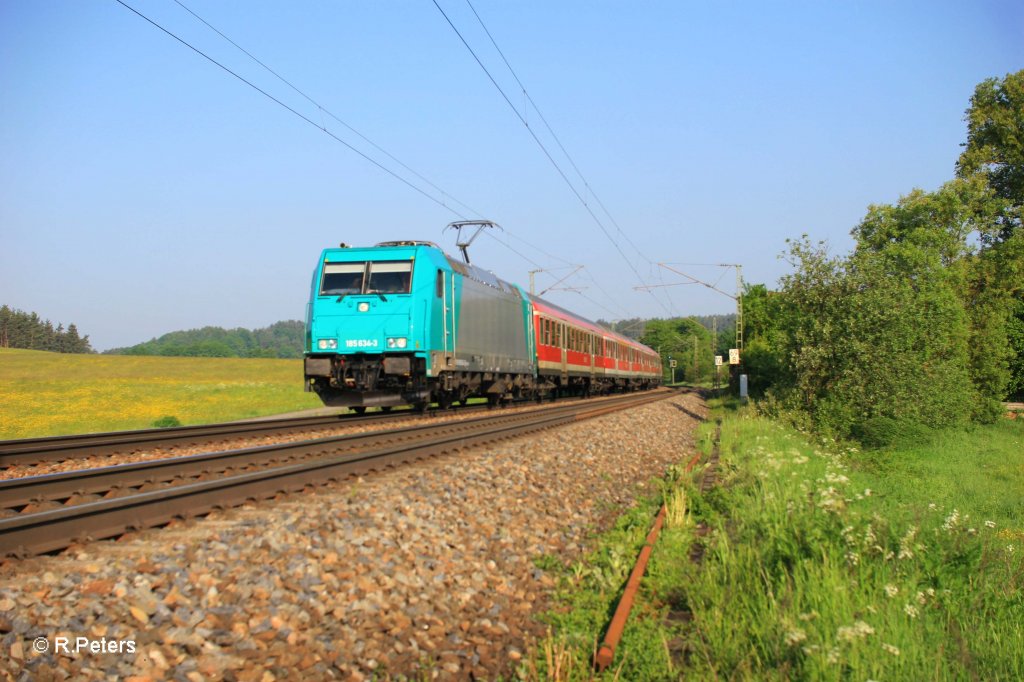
166, 422
880, 432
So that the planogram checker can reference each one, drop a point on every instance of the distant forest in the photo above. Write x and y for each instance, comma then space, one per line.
19, 329
279, 340
636, 327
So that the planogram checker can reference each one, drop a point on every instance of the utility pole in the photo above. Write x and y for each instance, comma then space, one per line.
739, 310
696, 377
554, 287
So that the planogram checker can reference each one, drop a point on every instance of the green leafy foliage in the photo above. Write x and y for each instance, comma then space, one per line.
19, 329
279, 340
686, 341
995, 136
921, 324
167, 422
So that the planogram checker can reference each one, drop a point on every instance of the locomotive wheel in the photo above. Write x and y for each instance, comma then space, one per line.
360, 409
444, 400
420, 406
385, 408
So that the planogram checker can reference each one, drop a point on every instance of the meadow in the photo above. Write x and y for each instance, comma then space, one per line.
50, 394
822, 561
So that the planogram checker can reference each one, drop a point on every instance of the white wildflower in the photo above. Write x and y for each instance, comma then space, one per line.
921, 598
932, 506
990, 524
867, 492
891, 591
795, 636
852, 558
858, 630
890, 649
905, 551
910, 610
833, 655
869, 535
951, 521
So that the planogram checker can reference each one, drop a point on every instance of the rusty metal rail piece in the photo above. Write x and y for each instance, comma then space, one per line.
604, 656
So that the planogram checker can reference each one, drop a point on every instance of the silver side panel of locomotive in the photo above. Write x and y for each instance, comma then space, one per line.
491, 334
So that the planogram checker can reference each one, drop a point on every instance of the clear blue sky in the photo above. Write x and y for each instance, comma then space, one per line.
144, 190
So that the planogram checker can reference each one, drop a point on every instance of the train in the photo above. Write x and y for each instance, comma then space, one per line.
403, 323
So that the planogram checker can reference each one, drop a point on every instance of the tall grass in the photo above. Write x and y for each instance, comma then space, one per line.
812, 573
46, 394
823, 563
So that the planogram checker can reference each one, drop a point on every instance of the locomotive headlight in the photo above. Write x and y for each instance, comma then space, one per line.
397, 342
363, 307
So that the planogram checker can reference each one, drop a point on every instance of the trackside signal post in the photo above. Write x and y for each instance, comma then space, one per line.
734, 367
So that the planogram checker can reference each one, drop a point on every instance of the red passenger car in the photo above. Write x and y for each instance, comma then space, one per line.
578, 356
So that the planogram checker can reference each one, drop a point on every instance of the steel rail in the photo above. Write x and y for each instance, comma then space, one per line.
28, 490
55, 448
45, 531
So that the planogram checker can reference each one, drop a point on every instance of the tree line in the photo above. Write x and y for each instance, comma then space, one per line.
19, 329
279, 340
922, 324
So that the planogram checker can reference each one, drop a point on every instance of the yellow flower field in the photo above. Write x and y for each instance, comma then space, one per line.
50, 394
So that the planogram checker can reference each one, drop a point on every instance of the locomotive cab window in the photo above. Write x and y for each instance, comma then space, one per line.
342, 278
390, 277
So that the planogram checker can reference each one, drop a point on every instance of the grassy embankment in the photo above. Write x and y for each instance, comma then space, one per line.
48, 394
822, 563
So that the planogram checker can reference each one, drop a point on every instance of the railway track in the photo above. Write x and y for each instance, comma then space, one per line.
60, 448
51, 512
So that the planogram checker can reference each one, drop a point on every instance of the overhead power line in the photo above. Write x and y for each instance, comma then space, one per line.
558, 141
325, 110
319, 127
543, 148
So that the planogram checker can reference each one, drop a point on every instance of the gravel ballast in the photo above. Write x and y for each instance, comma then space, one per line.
427, 570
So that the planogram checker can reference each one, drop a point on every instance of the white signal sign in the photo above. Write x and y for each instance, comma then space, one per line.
734, 356
672, 364
718, 361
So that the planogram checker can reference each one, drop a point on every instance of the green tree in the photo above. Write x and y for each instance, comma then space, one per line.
764, 315
994, 152
995, 137
676, 338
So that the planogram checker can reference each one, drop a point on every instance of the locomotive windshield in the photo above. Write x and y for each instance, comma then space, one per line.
342, 279
394, 277
385, 277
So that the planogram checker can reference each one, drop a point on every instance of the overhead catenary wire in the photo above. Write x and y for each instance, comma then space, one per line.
324, 109
293, 111
544, 149
554, 136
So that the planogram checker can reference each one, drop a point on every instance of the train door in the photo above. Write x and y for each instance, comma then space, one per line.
446, 292
563, 343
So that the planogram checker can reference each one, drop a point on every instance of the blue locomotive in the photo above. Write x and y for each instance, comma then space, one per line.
402, 323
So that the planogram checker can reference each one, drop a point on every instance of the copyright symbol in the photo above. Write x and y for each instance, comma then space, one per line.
41, 645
